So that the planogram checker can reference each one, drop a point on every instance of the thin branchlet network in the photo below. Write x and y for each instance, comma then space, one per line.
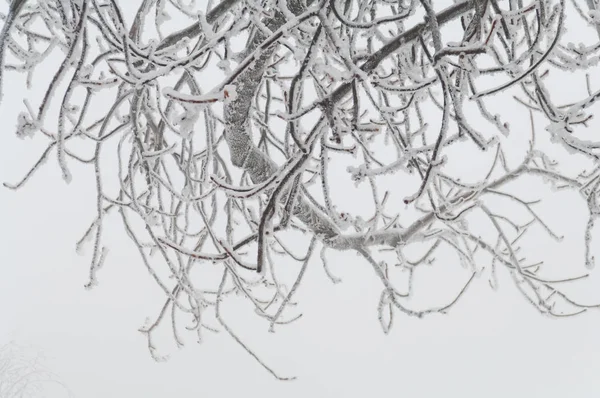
220, 147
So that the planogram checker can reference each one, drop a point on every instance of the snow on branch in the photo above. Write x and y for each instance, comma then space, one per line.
261, 132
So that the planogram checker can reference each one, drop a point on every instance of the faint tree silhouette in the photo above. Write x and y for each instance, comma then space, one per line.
23, 375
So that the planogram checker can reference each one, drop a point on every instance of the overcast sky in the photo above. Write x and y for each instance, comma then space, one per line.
491, 344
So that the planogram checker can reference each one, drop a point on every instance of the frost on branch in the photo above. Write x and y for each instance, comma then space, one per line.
234, 136
25, 126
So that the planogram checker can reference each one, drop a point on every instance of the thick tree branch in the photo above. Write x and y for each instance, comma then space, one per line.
246, 155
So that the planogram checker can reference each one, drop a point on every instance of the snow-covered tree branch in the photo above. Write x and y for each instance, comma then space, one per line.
222, 147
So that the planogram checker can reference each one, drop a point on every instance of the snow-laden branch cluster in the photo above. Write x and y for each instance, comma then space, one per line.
223, 142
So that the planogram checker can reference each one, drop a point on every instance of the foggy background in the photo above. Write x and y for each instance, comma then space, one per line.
491, 344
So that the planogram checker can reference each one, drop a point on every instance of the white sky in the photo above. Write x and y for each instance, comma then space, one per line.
492, 344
